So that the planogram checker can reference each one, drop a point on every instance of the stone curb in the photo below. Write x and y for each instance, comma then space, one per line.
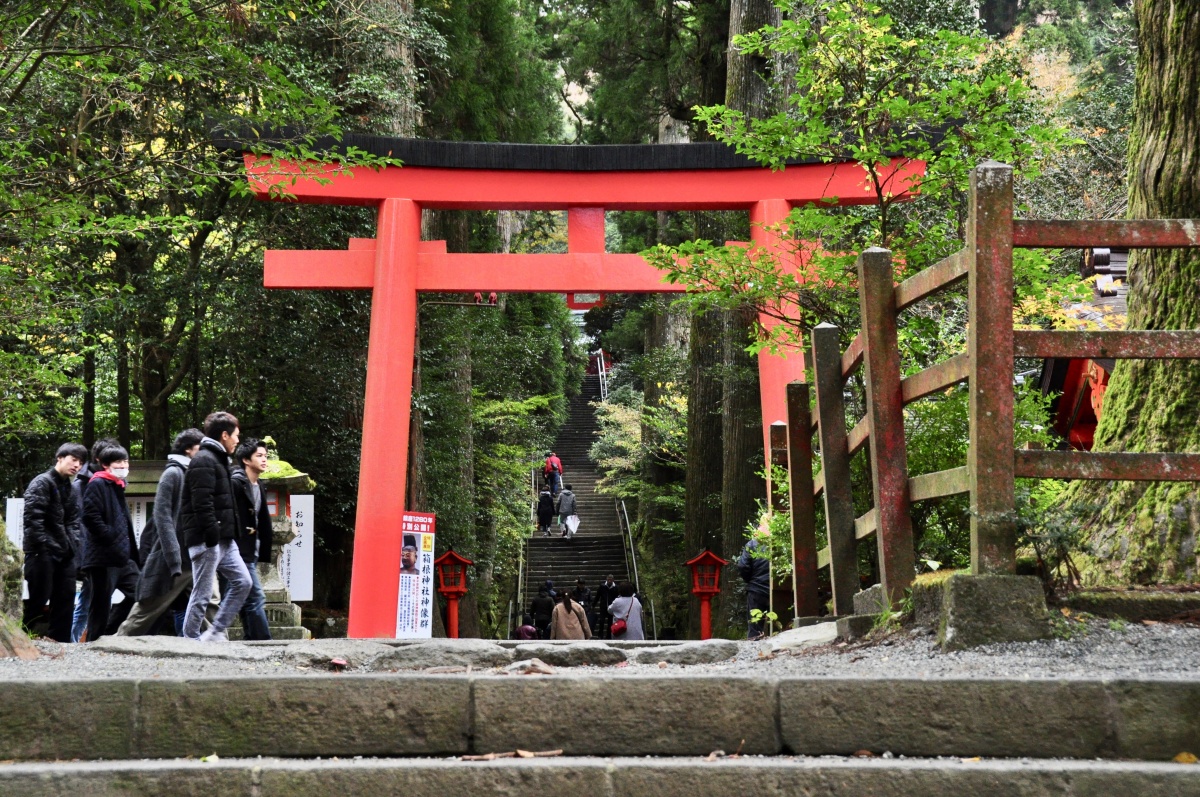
617, 777
389, 715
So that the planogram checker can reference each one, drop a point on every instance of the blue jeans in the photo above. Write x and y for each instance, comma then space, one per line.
82, 606
224, 559
254, 610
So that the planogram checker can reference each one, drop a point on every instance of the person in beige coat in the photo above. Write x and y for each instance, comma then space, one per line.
569, 620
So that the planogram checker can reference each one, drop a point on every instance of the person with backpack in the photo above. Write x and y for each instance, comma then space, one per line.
51, 542
545, 512
110, 551
167, 572
552, 471
568, 510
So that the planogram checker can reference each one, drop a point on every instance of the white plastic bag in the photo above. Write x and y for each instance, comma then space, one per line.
572, 523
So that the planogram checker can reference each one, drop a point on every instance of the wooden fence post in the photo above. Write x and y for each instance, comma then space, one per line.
835, 468
885, 422
990, 458
777, 438
800, 499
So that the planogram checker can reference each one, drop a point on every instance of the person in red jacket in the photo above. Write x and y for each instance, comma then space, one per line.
552, 470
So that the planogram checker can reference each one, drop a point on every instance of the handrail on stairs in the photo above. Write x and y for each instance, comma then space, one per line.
622, 513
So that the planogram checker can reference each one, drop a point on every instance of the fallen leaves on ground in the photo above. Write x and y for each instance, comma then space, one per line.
1185, 758
513, 754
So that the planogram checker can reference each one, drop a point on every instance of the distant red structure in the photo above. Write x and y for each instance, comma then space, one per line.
396, 265
1079, 384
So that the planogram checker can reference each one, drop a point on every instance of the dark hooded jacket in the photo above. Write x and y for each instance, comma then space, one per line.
108, 540
545, 508
163, 556
51, 517
207, 514
755, 571
252, 525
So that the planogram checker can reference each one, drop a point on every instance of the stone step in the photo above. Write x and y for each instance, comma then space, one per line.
417, 714
619, 777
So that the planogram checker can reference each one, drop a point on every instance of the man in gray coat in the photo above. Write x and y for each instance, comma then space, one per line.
566, 508
167, 573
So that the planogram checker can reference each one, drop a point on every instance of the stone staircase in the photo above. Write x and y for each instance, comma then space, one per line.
406, 733
597, 549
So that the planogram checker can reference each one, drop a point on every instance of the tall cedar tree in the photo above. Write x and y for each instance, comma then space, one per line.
1147, 532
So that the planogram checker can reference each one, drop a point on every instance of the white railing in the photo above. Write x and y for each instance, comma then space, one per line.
602, 369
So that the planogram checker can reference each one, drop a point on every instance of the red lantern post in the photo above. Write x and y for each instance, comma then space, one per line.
706, 582
452, 584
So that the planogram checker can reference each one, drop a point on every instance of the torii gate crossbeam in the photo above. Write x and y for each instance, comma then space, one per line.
397, 265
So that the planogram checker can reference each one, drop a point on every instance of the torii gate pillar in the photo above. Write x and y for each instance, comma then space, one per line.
388, 405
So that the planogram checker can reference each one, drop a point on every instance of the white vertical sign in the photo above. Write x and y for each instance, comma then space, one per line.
296, 562
14, 528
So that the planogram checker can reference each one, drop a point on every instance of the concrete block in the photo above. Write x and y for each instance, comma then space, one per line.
887, 778
128, 779
173, 647
804, 622
870, 600
318, 653
66, 719
570, 654
444, 653
706, 652
1133, 605
626, 715
1157, 719
927, 597
338, 715
958, 717
805, 637
856, 626
980, 610
537, 778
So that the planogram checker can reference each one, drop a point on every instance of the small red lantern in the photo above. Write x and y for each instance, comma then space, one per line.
452, 584
706, 582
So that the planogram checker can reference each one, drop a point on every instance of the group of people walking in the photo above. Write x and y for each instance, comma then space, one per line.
582, 614
198, 555
556, 500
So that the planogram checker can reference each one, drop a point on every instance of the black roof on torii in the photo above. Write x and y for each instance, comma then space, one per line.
527, 157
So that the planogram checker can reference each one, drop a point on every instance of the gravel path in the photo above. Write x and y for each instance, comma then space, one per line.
1095, 649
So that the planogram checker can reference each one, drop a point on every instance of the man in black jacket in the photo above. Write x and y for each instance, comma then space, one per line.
606, 593
756, 572
208, 520
50, 541
110, 552
254, 525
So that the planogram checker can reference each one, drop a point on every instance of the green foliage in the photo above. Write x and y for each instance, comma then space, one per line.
634, 62
490, 83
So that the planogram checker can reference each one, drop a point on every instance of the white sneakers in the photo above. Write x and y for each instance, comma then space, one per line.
214, 636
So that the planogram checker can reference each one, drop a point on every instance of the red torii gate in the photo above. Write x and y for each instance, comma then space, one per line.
397, 265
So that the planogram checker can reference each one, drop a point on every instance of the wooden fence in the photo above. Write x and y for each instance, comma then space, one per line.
993, 462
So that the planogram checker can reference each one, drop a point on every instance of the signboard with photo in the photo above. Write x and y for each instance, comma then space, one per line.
414, 604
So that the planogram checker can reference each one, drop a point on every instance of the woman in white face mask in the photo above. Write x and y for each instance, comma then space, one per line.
108, 542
